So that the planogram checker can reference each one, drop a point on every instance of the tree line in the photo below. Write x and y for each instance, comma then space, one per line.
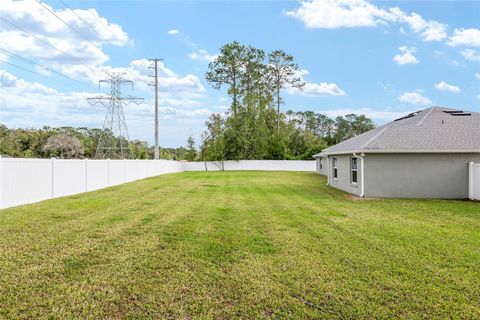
254, 126
76, 143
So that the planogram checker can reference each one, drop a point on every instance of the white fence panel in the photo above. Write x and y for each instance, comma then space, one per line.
116, 174
142, 169
474, 181
25, 181
201, 166
170, 166
97, 174
131, 170
69, 177
256, 165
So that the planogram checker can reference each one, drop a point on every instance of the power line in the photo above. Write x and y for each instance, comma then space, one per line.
39, 39
72, 28
101, 22
42, 66
79, 17
34, 72
22, 68
110, 30
93, 28
82, 35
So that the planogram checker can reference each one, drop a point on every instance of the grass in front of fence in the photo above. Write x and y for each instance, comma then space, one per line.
239, 245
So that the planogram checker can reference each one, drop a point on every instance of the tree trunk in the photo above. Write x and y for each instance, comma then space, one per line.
278, 111
234, 95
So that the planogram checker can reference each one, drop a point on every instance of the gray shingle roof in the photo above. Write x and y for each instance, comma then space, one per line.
435, 129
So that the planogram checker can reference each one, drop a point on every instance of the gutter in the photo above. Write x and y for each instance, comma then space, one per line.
407, 151
362, 173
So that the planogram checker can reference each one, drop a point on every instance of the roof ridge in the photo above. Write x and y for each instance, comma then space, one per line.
378, 134
425, 116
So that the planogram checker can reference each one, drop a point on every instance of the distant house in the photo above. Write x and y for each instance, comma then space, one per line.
424, 154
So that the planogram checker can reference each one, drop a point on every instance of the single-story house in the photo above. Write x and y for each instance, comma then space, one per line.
424, 154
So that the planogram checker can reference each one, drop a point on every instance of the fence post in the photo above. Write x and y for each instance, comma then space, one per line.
470, 180
124, 170
86, 174
53, 177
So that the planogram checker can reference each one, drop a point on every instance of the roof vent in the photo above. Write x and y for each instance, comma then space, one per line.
457, 113
410, 115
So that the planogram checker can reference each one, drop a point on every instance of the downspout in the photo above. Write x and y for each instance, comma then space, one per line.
362, 174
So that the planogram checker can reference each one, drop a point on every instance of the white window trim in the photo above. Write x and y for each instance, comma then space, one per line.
351, 171
334, 167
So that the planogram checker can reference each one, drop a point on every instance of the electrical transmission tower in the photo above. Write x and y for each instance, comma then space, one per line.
113, 142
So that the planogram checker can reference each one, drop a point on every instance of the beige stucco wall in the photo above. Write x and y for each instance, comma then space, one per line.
343, 181
418, 175
324, 169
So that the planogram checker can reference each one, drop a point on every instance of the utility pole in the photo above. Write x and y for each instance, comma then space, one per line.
155, 61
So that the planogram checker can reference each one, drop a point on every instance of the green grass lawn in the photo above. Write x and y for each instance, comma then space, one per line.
249, 245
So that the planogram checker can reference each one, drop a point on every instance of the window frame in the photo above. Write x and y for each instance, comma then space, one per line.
353, 170
335, 168
320, 164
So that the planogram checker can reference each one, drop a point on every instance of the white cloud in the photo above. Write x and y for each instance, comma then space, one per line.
322, 89
25, 104
311, 89
477, 75
35, 19
197, 113
428, 30
478, 97
465, 37
331, 14
11, 81
471, 55
369, 112
7, 79
434, 31
182, 37
406, 56
170, 84
443, 86
3, 57
414, 98
202, 55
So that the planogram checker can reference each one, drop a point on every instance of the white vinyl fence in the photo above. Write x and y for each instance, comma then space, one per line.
474, 181
25, 181
255, 165
30, 180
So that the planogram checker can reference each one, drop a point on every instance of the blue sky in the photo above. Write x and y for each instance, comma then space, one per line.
382, 59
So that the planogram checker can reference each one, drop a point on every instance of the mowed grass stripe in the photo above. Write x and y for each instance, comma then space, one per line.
246, 245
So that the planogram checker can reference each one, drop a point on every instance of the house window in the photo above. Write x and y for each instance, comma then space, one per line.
354, 175
320, 164
335, 168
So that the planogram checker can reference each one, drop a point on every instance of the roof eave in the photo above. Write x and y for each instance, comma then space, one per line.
399, 151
